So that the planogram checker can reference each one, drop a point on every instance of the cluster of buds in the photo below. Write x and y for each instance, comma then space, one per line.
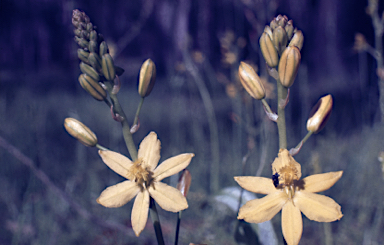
97, 65
280, 45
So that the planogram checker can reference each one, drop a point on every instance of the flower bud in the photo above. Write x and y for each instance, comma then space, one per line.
251, 81
92, 87
280, 39
147, 78
108, 67
320, 114
268, 50
184, 182
81, 132
297, 40
289, 29
289, 65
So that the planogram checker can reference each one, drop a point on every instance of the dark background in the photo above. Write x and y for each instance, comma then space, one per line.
196, 106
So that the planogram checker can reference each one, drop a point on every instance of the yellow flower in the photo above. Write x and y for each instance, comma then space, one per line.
144, 181
288, 193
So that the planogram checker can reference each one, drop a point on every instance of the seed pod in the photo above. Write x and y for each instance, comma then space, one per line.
251, 81
289, 65
81, 132
107, 67
320, 114
92, 87
95, 61
90, 71
83, 55
184, 182
297, 39
280, 39
268, 50
147, 78
103, 49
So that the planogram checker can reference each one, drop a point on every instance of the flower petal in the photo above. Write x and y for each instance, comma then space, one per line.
139, 215
168, 197
172, 166
321, 182
317, 207
285, 159
149, 151
256, 184
291, 223
117, 195
117, 162
263, 209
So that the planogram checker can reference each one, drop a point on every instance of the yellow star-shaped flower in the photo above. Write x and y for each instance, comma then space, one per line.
144, 181
291, 195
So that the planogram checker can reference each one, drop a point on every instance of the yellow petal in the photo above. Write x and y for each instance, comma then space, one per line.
168, 198
317, 207
263, 209
117, 162
291, 223
149, 151
256, 184
139, 215
321, 182
172, 166
117, 195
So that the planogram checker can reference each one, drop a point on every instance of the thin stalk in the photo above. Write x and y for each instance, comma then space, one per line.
281, 96
156, 221
101, 147
124, 123
177, 228
304, 139
138, 111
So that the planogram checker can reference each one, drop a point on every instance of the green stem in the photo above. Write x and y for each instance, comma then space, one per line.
124, 123
101, 147
305, 138
281, 96
156, 221
177, 228
138, 111
266, 105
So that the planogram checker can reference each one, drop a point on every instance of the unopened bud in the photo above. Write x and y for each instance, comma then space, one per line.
92, 87
107, 67
320, 114
268, 50
81, 132
147, 78
280, 38
184, 182
297, 40
289, 65
251, 81
289, 29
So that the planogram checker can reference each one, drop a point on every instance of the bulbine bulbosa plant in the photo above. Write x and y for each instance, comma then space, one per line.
281, 45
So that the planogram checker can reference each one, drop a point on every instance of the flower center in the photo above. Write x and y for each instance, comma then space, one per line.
288, 179
141, 175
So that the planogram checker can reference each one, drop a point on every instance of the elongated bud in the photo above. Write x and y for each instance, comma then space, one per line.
147, 78
268, 50
251, 81
320, 114
289, 29
108, 67
93, 46
95, 61
184, 182
289, 65
81, 132
280, 38
92, 87
103, 49
297, 40
90, 71
81, 42
83, 55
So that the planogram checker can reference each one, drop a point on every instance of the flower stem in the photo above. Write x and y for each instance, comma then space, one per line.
138, 111
102, 147
305, 139
281, 96
156, 221
124, 123
177, 228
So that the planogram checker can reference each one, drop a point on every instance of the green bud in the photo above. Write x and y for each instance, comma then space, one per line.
251, 81
147, 78
289, 29
268, 50
280, 39
92, 87
103, 49
289, 65
81, 42
320, 114
95, 61
93, 46
83, 55
81, 132
108, 67
93, 36
90, 71
297, 39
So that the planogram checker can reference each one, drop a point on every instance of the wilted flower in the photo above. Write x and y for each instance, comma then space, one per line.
144, 181
288, 193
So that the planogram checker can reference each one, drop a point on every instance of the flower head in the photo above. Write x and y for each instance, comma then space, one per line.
144, 178
292, 195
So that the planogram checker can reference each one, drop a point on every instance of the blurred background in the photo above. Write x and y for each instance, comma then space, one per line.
49, 181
